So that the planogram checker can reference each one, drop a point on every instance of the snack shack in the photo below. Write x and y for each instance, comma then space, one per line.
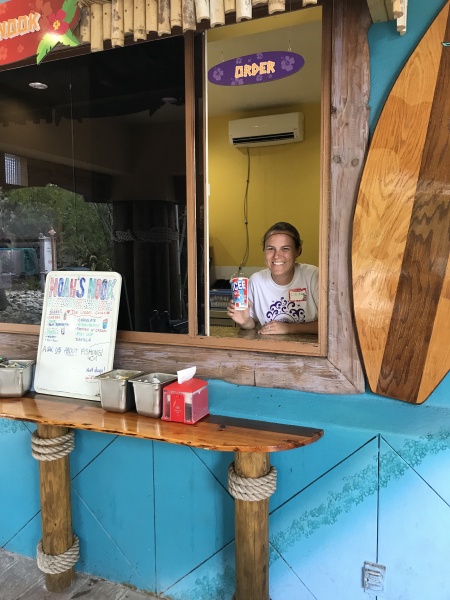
153, 144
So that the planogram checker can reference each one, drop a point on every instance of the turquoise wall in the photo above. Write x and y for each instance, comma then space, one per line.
159, 516
389, 51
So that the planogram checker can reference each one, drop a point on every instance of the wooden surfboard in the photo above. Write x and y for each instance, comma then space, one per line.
401, 234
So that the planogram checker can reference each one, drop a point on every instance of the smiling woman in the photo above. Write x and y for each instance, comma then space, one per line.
284, 297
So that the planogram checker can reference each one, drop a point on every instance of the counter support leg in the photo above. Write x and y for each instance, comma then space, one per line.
56, 512
252, 532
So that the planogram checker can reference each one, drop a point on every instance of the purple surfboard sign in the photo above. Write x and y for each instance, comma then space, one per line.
256, 68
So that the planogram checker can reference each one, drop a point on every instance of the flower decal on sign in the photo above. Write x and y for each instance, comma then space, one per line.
218, 74
59, 32
45, 9
288, 63
57, 22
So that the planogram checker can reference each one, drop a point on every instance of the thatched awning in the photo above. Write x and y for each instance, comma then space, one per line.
111, 20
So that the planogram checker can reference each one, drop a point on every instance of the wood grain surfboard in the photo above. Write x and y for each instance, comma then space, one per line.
401, 233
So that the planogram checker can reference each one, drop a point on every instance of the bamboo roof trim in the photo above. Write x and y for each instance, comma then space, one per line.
103, 20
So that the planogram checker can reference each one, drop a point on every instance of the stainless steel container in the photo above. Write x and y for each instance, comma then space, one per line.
15, 377
116, 394
148, 392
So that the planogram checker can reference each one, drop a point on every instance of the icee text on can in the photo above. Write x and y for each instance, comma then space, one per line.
239, 289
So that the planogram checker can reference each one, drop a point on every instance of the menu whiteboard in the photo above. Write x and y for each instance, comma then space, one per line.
78, 332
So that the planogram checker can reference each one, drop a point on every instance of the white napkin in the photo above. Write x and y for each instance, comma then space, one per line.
186, 374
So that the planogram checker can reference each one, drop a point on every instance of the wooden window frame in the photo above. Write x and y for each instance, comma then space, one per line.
333, 364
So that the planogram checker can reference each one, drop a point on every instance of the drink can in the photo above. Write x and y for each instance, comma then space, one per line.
239, 292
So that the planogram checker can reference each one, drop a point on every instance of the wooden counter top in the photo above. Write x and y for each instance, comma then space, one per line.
214, 432
252, 334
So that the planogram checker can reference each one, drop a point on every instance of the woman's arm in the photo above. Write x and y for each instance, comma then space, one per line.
278, 327
241, 317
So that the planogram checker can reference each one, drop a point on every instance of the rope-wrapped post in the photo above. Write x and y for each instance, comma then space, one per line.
58, 550
251, 481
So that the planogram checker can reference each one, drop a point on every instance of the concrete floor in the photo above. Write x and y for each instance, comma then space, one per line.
20, 579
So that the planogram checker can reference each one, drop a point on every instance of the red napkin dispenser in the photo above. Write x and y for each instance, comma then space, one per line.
185, 402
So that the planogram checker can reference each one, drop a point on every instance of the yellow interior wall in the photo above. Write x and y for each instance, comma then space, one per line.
284, 185
277, 21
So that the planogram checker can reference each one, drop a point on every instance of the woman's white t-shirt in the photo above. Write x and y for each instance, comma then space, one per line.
296, 302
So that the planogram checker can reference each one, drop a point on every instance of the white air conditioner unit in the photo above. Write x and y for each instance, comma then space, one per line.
267, 130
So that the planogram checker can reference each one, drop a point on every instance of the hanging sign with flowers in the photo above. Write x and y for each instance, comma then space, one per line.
256, 68
33, 28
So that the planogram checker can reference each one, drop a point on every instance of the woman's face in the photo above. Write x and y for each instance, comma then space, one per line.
280, 254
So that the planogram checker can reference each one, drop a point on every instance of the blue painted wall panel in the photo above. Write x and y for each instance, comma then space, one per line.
194, 512
115, 494
429, 456
100, 554
298, 468
414, 522
19, 480
326, 532
88, 448
27, 537
215, 578
285, 583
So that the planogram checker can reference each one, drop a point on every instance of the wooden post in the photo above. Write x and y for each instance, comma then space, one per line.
56, 512
252, 532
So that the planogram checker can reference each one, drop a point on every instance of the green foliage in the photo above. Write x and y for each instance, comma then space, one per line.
83, 229
69, 7
47, 43
68, 39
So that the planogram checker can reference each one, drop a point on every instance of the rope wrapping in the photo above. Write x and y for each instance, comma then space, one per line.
251, 489
52, 448
52, 564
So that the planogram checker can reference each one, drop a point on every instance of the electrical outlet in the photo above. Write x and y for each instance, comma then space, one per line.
374, 577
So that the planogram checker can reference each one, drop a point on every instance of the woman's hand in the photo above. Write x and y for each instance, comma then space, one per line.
241, 317
275, 327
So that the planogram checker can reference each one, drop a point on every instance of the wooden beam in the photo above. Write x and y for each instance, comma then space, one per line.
56, 511
349, 134
252, 532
